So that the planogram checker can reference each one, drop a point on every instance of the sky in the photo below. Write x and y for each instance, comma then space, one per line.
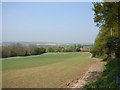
0, 21
61, 22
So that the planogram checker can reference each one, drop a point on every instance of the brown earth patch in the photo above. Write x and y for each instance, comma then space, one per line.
89, 74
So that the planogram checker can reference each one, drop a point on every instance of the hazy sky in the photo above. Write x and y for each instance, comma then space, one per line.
0, 21
49, 22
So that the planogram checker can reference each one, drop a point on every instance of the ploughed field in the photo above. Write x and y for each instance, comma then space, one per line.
50, 70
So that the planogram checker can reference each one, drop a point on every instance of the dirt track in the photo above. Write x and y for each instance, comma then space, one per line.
94, 70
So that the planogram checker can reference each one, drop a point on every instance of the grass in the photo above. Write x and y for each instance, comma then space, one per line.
45, 71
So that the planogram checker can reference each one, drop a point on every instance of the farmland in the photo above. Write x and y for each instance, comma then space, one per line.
50, 70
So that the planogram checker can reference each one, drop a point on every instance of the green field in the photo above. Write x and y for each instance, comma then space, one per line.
49, 70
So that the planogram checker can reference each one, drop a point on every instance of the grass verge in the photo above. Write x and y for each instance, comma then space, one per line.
109, 77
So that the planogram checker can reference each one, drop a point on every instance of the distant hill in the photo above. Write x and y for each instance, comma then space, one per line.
39, 44
44, 44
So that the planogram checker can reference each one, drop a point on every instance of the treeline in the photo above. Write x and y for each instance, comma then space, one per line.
107, 19
107, 44
20, 50
70, 48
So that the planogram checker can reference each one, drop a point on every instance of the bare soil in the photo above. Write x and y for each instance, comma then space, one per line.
88, 75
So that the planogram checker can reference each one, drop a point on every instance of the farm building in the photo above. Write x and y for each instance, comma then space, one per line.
85, 49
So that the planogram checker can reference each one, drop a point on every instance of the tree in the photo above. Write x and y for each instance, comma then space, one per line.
113, 45
20, 50
0, 52
107, 18
6, 51
17, 50
40, 50
79, 46
50, 49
